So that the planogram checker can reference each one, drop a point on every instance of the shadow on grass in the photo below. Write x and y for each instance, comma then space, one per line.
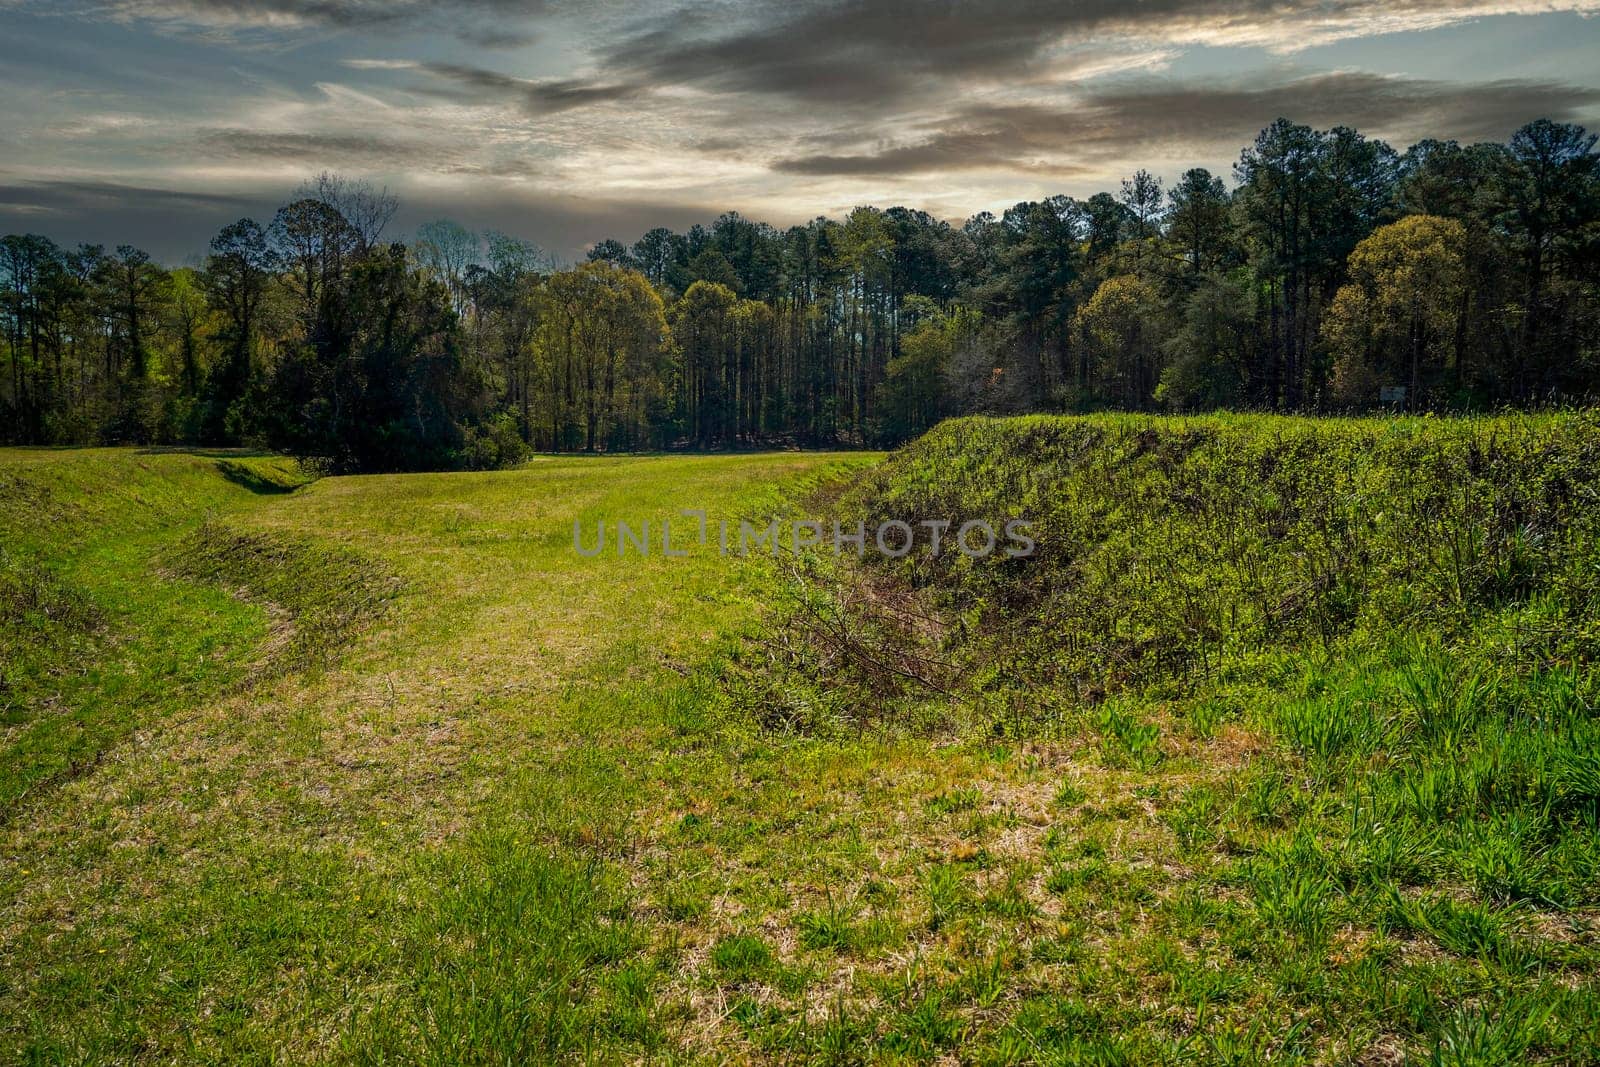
263, 479
204, 452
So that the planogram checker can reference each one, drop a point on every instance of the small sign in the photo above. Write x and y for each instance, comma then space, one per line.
1391, 395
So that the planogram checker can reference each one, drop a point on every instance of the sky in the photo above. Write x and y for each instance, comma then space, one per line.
156, 122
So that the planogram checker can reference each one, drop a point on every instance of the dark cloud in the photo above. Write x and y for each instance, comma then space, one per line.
1164, 117
566, 226
318, 150
536, 97
976, 142
342, 13
871, 53
73, 195
487, 23
838, 53
177, 226
781, 59
844, 94
1378, 104
496, 36
725, 145
249, 13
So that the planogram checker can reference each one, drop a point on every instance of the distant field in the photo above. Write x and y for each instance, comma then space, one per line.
1266, 757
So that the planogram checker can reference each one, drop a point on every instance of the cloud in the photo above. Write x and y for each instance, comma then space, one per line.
487, 23
1168, 117
1377, 104
925, 35
68, 195
258, 13
316, 150
977, 142
261, 14
535, 96
890, 50
175, 225
628, 114
496, 36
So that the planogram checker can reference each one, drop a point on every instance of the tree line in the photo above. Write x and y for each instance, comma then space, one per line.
1335, 274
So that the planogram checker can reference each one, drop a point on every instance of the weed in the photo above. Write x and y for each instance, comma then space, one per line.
947, 895
955, 800
831, 927
742, 957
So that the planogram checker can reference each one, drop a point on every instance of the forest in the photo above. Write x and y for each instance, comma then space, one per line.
1333, 274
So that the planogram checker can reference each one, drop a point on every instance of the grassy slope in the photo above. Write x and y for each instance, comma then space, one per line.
307, 862
1345, 668
513, 819
93, 649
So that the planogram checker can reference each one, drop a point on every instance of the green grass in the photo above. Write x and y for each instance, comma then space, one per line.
1326, 693
377, 769
94, 648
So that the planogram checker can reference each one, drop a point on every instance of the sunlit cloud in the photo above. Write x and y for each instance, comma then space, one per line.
501, 110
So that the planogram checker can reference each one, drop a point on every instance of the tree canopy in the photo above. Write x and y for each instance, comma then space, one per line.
1335, 271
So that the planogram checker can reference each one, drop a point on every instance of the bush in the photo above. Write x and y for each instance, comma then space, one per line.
494, 444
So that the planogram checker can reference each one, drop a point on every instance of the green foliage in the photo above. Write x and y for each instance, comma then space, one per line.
1121, 326
742, 957
916, 389
1399, 617
1400, 314
1189, 548
957, 800
1337, 266
494, 445
379, 383
47, 626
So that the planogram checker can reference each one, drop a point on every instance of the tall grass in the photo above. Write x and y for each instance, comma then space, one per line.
1404, 612
1175, 548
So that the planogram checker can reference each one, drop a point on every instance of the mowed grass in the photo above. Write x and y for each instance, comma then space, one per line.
404, 779
394, 848
93, 645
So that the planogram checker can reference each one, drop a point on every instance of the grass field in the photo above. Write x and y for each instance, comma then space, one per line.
379, 770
